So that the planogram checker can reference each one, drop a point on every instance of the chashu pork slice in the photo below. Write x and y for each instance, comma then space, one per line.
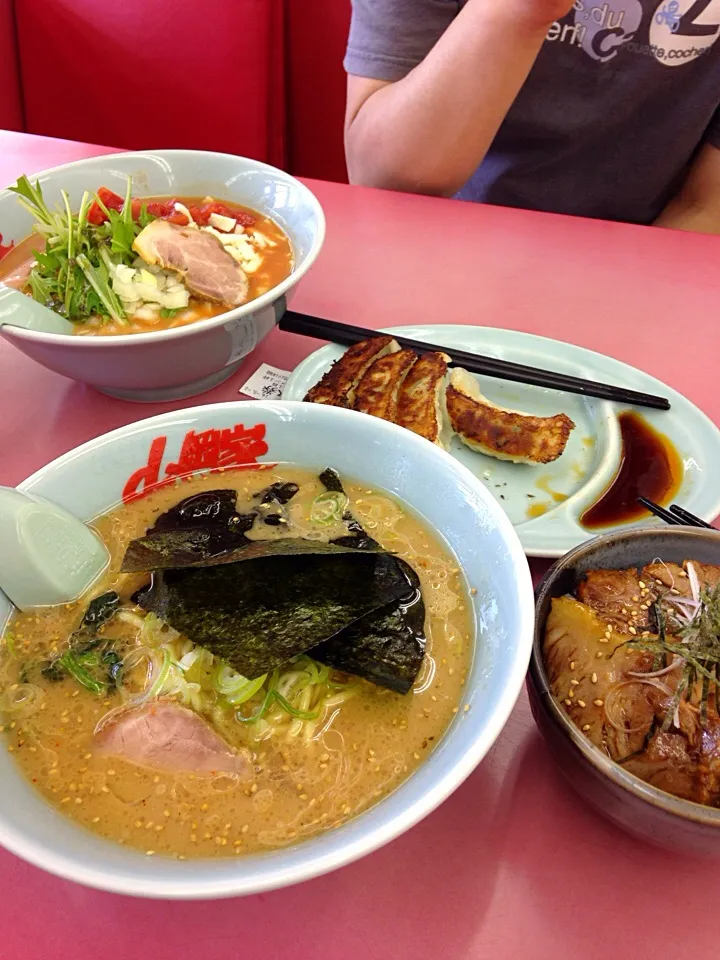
421, 400
377, 392
506, 434
198, 257
337, 387
164, 735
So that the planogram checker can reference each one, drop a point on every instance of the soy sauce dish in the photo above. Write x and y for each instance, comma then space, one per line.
296, 652
623, 681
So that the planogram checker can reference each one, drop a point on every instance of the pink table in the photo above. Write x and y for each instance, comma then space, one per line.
512, 865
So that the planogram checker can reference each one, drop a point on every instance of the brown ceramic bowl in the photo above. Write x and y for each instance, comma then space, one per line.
642, 810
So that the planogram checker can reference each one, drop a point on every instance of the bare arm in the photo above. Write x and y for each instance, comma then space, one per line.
428, 132
697, 206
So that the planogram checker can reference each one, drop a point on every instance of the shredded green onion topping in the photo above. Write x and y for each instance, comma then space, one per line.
328, 508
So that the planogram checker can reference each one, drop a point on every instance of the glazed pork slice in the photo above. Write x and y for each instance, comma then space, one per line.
617, 598
674, 577
667, 764
421, 400
198, 257
506, 434
337, 387
588, 671
377, 392
708, 574
163, 735
669, 575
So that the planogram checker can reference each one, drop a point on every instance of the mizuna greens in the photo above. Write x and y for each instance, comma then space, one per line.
73, 274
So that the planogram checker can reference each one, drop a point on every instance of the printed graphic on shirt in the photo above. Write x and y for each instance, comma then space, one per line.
683, 30
679, 31
605, 29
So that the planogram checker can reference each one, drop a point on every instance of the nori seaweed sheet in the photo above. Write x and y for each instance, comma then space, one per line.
176, 551
101, 609
259, 615
202, 528
180, 548
216, 507
198, 528
386, 646
281, 493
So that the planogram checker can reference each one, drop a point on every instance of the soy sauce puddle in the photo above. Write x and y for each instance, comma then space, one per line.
650, 466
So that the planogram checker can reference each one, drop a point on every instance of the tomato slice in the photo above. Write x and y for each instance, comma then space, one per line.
112, 201
201, 215
4, 250
96, 214
165, 210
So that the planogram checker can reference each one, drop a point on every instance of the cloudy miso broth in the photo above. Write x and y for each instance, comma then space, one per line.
327, 747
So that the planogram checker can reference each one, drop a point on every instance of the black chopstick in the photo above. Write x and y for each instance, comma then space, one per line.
675, 515
347, 335
661, 512
689, 519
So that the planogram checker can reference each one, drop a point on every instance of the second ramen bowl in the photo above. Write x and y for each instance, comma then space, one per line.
188, 360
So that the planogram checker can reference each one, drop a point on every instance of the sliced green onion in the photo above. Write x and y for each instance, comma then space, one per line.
234, 687
260, 712
328, 507
317, 672
21, 699
298, 714
159, 681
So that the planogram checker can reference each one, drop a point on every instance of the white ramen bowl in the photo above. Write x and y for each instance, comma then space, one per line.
444, 494
187, 360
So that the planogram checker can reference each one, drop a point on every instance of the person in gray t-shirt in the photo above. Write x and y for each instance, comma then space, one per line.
599, 108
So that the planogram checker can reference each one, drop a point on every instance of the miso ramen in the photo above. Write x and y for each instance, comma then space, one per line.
265, 658
132, 265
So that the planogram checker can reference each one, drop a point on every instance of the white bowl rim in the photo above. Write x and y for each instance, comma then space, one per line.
176, 333
275, 877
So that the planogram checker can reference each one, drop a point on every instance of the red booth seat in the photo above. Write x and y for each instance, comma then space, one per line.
10, 100
207, 74
317, 34
262, 78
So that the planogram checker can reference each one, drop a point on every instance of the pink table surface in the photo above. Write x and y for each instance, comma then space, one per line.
512, 865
